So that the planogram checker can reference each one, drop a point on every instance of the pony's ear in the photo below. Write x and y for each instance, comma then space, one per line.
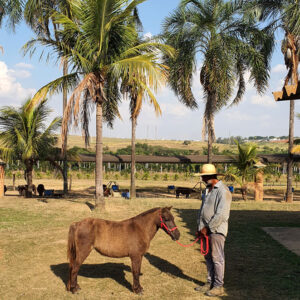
169, 208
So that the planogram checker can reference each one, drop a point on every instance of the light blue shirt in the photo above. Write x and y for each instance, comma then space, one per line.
215, 209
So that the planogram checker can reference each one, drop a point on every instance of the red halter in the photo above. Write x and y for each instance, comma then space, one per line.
162, 224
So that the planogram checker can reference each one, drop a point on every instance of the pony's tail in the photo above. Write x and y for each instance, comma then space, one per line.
71, 245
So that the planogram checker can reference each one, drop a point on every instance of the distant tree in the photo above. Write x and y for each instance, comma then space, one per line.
226, 44
24, 135
104, 54
284, 15
244, 170
12, 10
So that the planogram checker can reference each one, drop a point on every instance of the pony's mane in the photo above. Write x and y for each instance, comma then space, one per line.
152, 210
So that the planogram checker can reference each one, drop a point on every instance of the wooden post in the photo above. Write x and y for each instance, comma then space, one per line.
259, 186
2, 165
14, 181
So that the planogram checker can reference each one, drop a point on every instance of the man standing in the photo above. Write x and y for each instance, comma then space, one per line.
213, 221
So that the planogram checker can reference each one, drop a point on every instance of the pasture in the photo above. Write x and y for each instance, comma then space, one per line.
33, 260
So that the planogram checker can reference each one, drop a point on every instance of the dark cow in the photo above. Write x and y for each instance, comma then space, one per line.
22, 189
41, 190
184, 191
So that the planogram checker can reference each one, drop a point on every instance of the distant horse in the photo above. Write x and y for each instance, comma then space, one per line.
130, 237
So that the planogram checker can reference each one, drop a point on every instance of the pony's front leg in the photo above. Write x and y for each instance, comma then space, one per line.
136, 262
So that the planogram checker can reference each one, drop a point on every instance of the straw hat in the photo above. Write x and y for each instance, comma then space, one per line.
208, 169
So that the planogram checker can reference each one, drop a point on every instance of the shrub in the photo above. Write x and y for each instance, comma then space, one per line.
156, 177
165, 177
176, 177
146, 176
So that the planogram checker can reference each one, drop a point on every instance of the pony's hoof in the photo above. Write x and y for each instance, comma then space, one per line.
139, 290
75, 289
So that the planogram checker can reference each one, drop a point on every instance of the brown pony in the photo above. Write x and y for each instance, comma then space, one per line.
117, 239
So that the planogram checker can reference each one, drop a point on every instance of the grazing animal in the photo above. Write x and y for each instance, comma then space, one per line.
184, 191
5, 189
22, 189
130, 237
41, 189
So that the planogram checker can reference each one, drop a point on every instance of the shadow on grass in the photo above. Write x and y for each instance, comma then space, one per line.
115, 271
257, 267
169, 268
90, 205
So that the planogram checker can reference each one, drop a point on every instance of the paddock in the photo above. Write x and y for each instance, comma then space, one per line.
34, 265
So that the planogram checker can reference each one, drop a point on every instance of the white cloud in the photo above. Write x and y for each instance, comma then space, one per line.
280, 68
19, 73
148, 35
265, 100
11, 91
237, 116
22, 65
175, 109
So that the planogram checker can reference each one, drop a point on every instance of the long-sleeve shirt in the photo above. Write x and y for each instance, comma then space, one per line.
215, 209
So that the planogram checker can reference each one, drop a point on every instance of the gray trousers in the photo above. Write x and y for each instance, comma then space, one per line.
215, 260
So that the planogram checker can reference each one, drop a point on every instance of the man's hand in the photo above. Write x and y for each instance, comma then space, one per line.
203, 231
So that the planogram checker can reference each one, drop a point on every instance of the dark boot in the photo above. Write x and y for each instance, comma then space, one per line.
203, 288
215, 291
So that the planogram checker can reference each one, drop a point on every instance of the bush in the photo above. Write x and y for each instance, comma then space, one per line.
176, 177
156, 177
146, 176
38, 175
18, 175
165, 177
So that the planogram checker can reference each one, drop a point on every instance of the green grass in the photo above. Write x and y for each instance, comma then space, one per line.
33, 252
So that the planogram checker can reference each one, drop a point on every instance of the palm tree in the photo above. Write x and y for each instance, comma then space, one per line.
284, 15
227, 45
104, 52
13, 10
24, 135
244, 169
39, 16
137, 90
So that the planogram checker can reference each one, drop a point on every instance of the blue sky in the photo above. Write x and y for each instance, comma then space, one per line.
21, 76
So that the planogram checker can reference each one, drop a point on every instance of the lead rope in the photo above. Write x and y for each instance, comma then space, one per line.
202, 250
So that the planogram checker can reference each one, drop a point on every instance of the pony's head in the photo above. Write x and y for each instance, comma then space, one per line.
167, 223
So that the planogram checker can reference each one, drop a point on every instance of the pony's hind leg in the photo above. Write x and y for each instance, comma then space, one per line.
136, 262
83, 248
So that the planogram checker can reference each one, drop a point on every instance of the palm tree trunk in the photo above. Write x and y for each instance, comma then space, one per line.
99, 201
210, 139
65, 161
209, 149
132, 183
289, 193
29, 168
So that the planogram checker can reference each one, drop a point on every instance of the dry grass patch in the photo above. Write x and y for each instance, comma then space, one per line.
33, 252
